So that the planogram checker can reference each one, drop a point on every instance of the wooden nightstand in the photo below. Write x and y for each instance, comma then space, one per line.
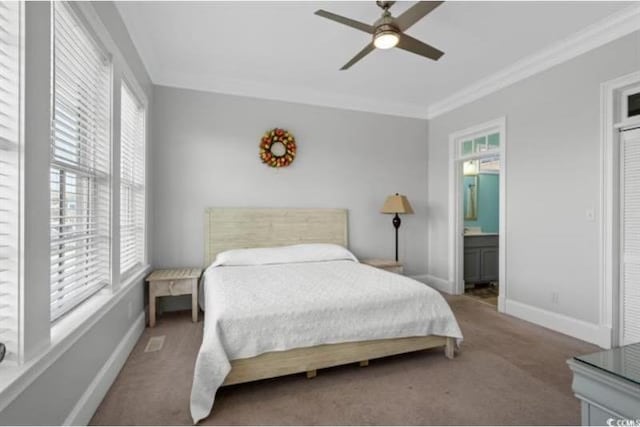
384, 264
176, 281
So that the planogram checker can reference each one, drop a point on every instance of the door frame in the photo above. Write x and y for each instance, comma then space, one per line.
456, 221
611, 121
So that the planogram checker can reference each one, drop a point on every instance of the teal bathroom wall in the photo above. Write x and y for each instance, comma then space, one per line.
488, 202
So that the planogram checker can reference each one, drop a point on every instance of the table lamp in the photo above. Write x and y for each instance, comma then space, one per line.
397, 204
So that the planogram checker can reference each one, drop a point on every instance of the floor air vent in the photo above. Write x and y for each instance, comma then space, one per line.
154, 344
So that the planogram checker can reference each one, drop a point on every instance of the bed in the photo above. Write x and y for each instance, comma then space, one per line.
291, 309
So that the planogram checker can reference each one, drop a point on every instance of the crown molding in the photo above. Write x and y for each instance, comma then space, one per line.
287, 93
611, 28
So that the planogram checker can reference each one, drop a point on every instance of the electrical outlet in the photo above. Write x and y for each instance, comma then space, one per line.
555, 297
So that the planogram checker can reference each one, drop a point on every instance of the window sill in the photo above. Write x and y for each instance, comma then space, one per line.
69, 323
93, 308
14, 379
131, 275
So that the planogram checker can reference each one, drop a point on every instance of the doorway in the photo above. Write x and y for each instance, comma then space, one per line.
629, 235
620, 257
481, 214
477, 189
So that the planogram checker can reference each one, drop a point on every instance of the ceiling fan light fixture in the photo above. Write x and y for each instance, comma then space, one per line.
386, 39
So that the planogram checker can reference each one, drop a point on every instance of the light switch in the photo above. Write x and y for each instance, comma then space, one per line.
591, 215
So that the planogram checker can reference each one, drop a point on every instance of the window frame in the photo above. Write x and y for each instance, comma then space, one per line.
130, 84
103, 179
18, 253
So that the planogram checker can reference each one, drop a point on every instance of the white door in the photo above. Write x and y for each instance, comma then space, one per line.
630, 236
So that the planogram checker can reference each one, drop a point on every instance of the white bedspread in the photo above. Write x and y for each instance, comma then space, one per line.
255, 309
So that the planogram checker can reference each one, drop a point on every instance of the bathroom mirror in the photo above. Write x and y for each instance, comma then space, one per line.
471, 197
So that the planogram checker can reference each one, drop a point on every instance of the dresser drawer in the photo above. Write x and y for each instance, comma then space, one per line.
172, 287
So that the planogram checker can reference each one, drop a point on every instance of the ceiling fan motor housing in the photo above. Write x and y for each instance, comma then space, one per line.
385, 28
386, 25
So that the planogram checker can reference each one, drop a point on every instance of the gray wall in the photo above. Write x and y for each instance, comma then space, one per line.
553, 160
206, 154
111, 18
52, 395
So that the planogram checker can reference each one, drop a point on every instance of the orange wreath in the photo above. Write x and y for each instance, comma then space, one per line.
278, 148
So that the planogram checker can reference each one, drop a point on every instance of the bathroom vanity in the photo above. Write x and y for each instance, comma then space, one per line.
481, 258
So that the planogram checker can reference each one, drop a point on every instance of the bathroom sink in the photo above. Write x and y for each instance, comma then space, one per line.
476, 231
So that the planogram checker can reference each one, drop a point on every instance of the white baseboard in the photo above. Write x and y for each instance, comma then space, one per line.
84, 409
443, 285
585, 331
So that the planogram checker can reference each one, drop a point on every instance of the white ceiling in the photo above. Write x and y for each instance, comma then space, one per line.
282, 50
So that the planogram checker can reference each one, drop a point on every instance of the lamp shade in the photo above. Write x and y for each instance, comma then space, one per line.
397, 203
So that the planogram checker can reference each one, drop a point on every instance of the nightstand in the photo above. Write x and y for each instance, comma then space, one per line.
384, 264
173, 282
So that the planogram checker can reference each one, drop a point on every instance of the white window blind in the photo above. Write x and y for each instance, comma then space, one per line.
132, 182
630, 236
9, 174
80, 162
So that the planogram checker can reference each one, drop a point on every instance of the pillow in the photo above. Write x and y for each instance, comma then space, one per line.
310, 252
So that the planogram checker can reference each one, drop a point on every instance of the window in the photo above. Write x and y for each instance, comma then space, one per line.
481, 144
9, 174
132, 181
80, 162
631, 103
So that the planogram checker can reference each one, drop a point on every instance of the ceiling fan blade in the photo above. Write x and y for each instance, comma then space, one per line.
364, 52
346, 21
412, 45
416, 13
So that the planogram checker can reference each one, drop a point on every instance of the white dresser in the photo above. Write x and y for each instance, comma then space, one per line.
607, 384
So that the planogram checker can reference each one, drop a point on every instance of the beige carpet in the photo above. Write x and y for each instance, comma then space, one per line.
508, 372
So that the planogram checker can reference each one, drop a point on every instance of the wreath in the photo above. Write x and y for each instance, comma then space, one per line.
278, 148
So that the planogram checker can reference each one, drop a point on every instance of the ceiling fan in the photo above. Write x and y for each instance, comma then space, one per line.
389, 32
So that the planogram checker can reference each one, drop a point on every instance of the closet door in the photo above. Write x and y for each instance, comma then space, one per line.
630, 236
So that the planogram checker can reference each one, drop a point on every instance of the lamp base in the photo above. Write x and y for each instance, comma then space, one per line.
396, 224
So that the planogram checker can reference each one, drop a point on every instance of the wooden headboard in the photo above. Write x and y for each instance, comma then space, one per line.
239, 228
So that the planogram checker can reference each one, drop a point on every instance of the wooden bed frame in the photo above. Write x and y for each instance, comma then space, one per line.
236, 228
